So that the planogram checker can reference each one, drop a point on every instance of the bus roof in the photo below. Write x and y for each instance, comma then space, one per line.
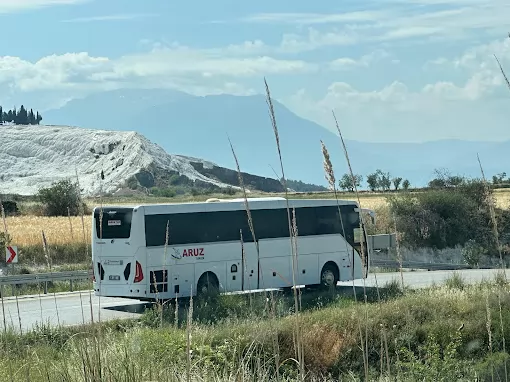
238, 204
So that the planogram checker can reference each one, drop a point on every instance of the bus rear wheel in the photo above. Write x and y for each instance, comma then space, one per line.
329, 276
208, 285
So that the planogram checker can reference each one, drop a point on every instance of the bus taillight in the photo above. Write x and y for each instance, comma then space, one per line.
138, 273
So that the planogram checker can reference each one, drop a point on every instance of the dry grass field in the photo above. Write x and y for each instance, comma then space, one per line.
26, 230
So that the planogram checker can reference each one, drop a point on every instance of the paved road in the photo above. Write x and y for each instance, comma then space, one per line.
423, 279
74, 308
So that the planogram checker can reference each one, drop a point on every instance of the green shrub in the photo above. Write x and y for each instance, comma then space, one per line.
61, 198
448, 217
163, 192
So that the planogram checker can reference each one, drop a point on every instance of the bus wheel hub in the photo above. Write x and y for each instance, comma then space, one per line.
328, 277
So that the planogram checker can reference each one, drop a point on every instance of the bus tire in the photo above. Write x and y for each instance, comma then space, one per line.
329, 275
208, 285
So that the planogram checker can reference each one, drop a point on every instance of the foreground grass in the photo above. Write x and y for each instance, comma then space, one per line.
411, 335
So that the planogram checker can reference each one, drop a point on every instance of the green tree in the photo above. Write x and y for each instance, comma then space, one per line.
373, 181
345, 183
384, 180
406, 184
499, 178
443, 179
38, 118
31, 117
61, 198
396, 182
22, 116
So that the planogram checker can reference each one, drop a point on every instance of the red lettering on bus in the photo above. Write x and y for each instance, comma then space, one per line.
193, 252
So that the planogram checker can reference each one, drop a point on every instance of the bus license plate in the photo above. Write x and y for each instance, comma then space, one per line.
116, 277
113, 262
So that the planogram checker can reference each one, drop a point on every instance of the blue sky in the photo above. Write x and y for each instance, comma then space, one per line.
393, 70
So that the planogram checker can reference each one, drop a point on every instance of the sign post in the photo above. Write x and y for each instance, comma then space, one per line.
11, 254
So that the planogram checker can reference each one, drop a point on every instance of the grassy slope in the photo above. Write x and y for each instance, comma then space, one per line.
232, 336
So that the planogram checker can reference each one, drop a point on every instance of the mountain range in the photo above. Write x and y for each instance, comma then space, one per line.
201, 127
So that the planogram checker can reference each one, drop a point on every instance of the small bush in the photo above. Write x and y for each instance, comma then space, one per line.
10, 207
473, 252
163, 192
455, 281
61, 198
5, 239
132, 183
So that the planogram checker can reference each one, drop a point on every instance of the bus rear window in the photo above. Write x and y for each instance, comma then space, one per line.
116, 223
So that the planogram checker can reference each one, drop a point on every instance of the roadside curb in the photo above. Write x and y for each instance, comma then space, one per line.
48, 295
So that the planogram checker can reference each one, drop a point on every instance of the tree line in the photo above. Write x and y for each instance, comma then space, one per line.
20, 117
383, 181
376, 181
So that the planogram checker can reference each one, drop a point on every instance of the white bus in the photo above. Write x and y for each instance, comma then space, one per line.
133, 257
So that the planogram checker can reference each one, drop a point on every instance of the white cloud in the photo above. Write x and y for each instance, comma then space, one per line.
293, 43
395, 20
116, 17
8, 6
183, 61
198, 72
346, 63
476, 60
316, 18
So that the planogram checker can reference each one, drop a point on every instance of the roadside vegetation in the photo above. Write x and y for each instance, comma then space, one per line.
454, 332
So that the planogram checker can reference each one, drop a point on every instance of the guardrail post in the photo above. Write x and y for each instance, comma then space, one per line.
71, 282
45, 287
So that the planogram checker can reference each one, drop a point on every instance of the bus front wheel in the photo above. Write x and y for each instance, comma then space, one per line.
208, 285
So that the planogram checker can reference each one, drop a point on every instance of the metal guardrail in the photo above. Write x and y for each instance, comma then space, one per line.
45, 278
419, 265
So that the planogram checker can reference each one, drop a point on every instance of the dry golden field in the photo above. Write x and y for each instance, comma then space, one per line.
26, 230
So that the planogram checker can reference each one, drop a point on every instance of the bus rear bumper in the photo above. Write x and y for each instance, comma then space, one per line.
128, 291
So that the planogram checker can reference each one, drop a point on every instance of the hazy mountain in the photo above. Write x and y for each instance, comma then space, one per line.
201, 126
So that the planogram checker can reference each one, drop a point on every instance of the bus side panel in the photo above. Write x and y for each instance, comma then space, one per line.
183, 280
308, 250
250, 266
276, 272
275, 263
234, 275
307, 266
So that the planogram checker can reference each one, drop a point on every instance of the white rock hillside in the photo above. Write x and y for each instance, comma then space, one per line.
35, 156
